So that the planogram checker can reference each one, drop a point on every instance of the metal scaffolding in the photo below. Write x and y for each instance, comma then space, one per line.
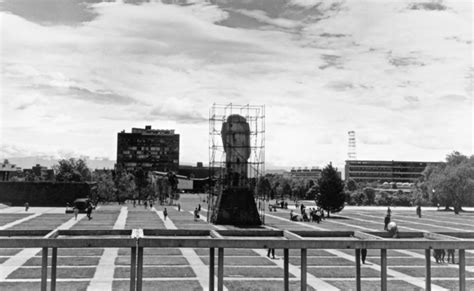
255, 117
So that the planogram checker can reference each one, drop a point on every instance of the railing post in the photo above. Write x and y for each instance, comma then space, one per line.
220, 269
303, 269
133, 268
44, 269
383, 269
211, 269
358, 285
462, 270
428, 270
286, 282
140, 269
54, 263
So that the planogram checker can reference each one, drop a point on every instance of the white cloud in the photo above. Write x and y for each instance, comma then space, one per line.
359, 67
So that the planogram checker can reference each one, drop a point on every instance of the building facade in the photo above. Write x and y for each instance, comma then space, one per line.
8, 171
149, 149
305, 173
384, 171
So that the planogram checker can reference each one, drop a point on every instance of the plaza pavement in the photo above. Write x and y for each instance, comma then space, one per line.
186, 269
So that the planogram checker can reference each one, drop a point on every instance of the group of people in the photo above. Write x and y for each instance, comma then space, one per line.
439, 255
308, 215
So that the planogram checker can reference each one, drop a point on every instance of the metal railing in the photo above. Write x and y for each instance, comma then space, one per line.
139, 239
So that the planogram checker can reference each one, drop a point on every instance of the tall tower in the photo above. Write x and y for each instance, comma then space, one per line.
351, 153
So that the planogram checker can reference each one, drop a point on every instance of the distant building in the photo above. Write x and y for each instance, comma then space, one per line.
198, 171
150, 149
309, 174
384, 171
41, 173
8, 171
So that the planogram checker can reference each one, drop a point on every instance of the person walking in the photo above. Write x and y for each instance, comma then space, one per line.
386, 221
27, 206
146, 204
451, 255
151, 204
76, 212
199, 207
196, 214
272, 251
363, 253
179, 207
389, 211
165, 213
418, 211
89, 212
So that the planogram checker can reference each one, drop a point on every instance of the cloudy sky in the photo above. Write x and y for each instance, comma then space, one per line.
399, 73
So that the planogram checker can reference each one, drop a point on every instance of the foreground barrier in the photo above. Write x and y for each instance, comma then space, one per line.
139, 239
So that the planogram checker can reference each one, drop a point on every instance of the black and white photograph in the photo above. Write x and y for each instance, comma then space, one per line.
237, 145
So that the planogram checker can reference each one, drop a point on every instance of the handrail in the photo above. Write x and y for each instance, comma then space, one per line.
138, 239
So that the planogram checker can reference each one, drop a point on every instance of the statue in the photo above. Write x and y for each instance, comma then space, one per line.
236, 204
235, 135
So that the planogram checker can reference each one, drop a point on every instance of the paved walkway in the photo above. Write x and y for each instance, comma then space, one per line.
104, 273
199, 268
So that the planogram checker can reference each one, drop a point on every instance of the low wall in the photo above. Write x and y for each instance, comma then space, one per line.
43, 193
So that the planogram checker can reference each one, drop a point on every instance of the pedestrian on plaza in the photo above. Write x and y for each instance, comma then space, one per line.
196, 214
199, 207
179, 207
146, 204
438, 206
134, 203
165, 213
386, 221
272, 251
89, 212
363, 252
76, 212
27, 206
389, 211
418, 211
451, 255
151, 204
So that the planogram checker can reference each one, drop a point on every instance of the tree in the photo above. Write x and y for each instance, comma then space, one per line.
106, 190
351, 185
331, 190
369, 195
452, 183
125, 185
72, 170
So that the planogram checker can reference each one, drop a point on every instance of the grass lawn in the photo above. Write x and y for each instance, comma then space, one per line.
85, 252
228, 252
454, 284
160, 285
34, 286
242, 261
261, 285
392, 285
259, 272
157, 272
435, 271
315, 261
9, 252
10, 217
342, 272
153, 251
45, 221
66, 261
154, 260
35, 273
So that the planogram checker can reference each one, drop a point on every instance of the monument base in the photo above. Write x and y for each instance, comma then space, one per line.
236, 206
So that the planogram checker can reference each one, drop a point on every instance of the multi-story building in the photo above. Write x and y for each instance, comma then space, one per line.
40, 172
149, 149
384, 171
309, 174
8, 171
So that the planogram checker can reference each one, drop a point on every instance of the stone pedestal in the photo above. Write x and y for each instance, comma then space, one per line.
236, 206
